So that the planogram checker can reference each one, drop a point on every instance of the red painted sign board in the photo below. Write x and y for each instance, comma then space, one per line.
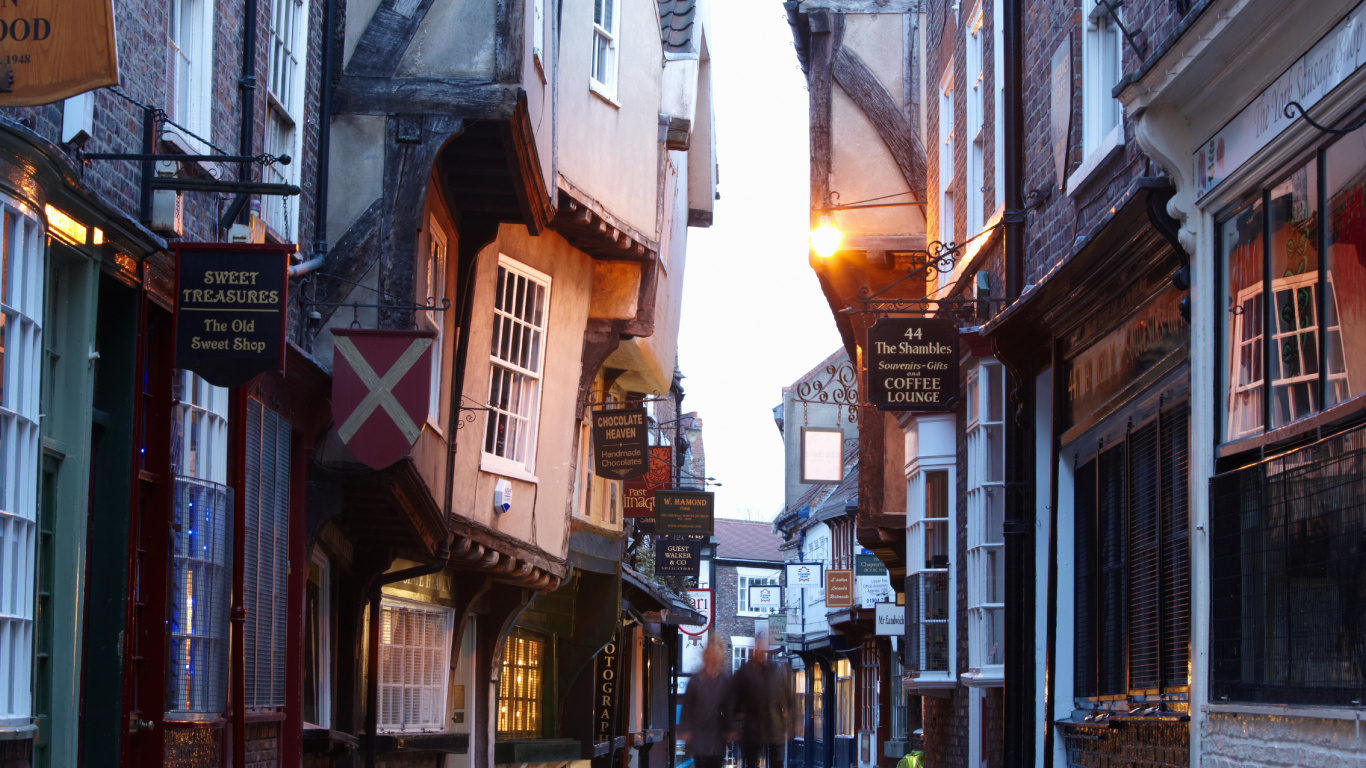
839, 588
639, 495
381, 385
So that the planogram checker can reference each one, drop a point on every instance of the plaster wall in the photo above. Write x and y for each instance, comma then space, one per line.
540, 499
356, 170
702, 171
610, 149
863, 168
456, 39
539, 76
358, 15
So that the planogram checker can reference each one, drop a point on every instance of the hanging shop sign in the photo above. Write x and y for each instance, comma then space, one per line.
621, 449
606, 674
381, 389
53, 51
638, 496
777, 629
822, 459
700, 600
684, 512
230, 310
804, 575
913, 364
678, 554
889, 619
839, 588
765, 597
869, 565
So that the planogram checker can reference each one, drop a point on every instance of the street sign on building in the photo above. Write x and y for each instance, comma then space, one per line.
230, 310
804, 575
381, 390
684, 512
889, 619
839, 588
701, 601
621, 449
638, 496
777, 629
765, 597
678, 554
51, 51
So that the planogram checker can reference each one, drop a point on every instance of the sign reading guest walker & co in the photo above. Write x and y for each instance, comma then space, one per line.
230, 310
913, 364
621, 448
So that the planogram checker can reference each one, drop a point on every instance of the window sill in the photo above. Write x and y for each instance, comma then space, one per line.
187, 145
1294, 429
603, 92
1106, 149
18, 732
497, 465
992, 677
435, 427
1357, 714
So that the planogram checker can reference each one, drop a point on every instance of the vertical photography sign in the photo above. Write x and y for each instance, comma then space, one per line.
230, 310
638, 496
51, 51
684, 512
621, 449
913, 364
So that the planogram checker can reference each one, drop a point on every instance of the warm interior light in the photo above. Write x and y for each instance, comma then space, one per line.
825, 238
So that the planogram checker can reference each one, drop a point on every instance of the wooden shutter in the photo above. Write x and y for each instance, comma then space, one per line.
1110, 530
1175, 545
265, 558
1145, 574
1084, 626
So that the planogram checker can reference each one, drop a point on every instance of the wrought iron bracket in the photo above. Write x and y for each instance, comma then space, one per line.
1290, 108
1112, 10
965, 310
599, 398
838, 387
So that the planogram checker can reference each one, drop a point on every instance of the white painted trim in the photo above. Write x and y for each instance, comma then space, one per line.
1108, 146
497, 465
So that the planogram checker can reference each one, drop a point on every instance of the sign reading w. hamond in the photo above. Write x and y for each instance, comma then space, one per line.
913, 364
684, 512
621, 449
230, 310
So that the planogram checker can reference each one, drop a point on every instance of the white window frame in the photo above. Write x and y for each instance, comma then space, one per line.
522, 464
435, 657
608, 38
435, 276
288, 40
20, 460
985, 499
998, 58
975, 103
189, 99
323, 660
741, 651
747, 577
935, 451
1102, 125
946, 169
201, 415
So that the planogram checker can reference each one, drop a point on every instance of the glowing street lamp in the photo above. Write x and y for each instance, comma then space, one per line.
825, 238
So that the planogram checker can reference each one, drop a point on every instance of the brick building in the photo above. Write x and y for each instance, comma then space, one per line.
746, 555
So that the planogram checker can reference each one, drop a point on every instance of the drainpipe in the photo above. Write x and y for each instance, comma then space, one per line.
324, 149
1017, 529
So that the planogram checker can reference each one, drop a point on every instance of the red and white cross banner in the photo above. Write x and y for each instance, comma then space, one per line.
381, 385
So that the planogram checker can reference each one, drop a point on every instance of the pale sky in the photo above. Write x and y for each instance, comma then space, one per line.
754, 318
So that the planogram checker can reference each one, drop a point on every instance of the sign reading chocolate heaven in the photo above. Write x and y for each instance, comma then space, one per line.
684, 512
230, 310
621, 449
913, 364
680, 554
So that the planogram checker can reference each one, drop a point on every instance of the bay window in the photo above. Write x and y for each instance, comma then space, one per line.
986, 514
517, 352
844, 698
930, 542
415, 660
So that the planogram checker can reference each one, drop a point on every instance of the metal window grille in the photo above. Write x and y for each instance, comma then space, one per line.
1288, 595
414, 659
1133, 561
200, 596
21, 348
517, 350
928, 634
519, 686
265, 555
900, 705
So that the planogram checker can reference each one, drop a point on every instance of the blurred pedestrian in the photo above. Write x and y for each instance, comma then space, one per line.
762, 704
708, 708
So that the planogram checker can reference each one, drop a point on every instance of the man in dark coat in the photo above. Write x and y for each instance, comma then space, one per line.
762, 704
708, 708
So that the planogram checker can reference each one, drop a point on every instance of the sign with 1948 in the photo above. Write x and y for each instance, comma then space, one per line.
230, 310
913, 364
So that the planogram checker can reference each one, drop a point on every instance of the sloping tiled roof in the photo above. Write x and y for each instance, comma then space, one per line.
743, 540
676, 19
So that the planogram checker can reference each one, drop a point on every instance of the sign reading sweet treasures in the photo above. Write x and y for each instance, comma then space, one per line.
913, 364
230, 310
621, 449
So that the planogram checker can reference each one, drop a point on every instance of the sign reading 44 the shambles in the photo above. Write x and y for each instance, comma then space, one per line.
913, 364
621, 449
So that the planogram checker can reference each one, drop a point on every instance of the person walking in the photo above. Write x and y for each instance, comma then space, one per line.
762, 705
708, 708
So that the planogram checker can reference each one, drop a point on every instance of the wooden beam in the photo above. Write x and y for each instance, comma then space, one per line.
450, 97
385, 39
869, 94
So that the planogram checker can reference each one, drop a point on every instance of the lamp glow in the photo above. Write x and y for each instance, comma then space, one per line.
825, 238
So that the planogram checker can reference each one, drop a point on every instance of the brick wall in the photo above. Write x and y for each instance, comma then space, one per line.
263, 745
142, 76
1233, 741
726, 623
946, 730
